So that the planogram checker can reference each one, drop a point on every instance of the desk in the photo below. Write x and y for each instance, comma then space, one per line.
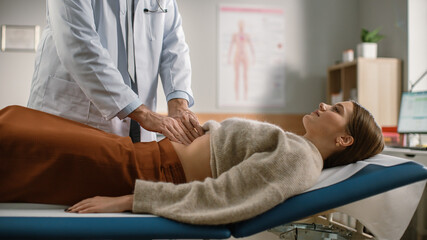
420, 217
414, 155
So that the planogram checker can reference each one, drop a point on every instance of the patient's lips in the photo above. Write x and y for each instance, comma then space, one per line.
316, 113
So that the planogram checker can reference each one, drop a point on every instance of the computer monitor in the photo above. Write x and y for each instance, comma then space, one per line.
413, 113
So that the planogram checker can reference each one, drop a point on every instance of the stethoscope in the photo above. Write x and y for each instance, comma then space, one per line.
160, 9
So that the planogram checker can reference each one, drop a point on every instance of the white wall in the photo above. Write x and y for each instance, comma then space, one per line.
16, 68
316, 33
417, 43
391, 18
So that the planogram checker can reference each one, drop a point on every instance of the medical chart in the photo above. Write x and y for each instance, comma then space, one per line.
251, 56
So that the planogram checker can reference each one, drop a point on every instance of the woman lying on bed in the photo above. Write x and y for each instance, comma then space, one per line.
237, 170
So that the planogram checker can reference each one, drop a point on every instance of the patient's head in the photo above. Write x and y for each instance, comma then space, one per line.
344, 133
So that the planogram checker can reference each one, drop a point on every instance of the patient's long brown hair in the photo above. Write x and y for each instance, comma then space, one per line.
368, 139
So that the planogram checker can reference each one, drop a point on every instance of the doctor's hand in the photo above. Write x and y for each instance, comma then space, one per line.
103, 205
178, 109
169, 127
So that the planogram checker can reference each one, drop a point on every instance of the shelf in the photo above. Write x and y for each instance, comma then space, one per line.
374, 83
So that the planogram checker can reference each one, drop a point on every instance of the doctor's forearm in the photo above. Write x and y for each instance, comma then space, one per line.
176, 104
140, 113
148, 119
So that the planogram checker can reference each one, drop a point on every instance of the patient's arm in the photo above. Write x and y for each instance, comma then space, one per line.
103, 205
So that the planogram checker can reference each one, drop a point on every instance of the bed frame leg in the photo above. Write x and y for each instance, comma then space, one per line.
322, 223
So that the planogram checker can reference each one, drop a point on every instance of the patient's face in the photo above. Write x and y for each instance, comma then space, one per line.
328, 121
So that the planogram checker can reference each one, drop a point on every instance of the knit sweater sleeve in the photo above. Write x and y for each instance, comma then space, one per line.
215, 201
250, 188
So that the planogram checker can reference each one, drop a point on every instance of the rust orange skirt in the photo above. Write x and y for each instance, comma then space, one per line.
48, 159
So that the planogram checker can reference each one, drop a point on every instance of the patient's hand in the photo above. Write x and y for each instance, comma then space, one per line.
103, 205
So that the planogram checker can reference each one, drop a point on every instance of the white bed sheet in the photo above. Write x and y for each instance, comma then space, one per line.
51, 210
386, 215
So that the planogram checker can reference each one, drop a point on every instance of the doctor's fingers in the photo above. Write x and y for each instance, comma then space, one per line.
187, 131
192, 126
179, 132
195, 122
173, 135
187, 127
172, 129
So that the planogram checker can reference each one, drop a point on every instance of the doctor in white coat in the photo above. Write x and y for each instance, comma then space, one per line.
81, 70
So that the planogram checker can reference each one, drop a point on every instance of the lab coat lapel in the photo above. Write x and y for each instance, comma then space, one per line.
123, 21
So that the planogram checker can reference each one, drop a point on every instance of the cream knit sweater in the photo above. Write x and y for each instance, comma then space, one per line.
255, 166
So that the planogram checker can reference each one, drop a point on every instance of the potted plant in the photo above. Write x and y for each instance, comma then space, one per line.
369, 46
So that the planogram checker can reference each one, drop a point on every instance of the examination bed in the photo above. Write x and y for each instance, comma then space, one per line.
396, 183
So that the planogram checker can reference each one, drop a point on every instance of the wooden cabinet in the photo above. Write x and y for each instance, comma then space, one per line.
374, 83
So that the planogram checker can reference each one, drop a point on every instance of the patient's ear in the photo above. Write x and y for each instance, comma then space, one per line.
346, 140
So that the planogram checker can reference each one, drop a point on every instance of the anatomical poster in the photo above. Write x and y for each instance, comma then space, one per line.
251, 56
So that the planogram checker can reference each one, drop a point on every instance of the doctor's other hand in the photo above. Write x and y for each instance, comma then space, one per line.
169, 127
103, 205
178, 109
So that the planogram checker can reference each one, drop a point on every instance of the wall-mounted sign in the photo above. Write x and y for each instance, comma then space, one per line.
19, 38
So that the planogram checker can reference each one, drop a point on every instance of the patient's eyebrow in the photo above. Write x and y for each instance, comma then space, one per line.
342, 107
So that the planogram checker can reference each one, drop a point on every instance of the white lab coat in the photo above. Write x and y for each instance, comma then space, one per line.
81, 62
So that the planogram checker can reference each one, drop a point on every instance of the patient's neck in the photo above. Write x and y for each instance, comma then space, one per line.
324, 147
